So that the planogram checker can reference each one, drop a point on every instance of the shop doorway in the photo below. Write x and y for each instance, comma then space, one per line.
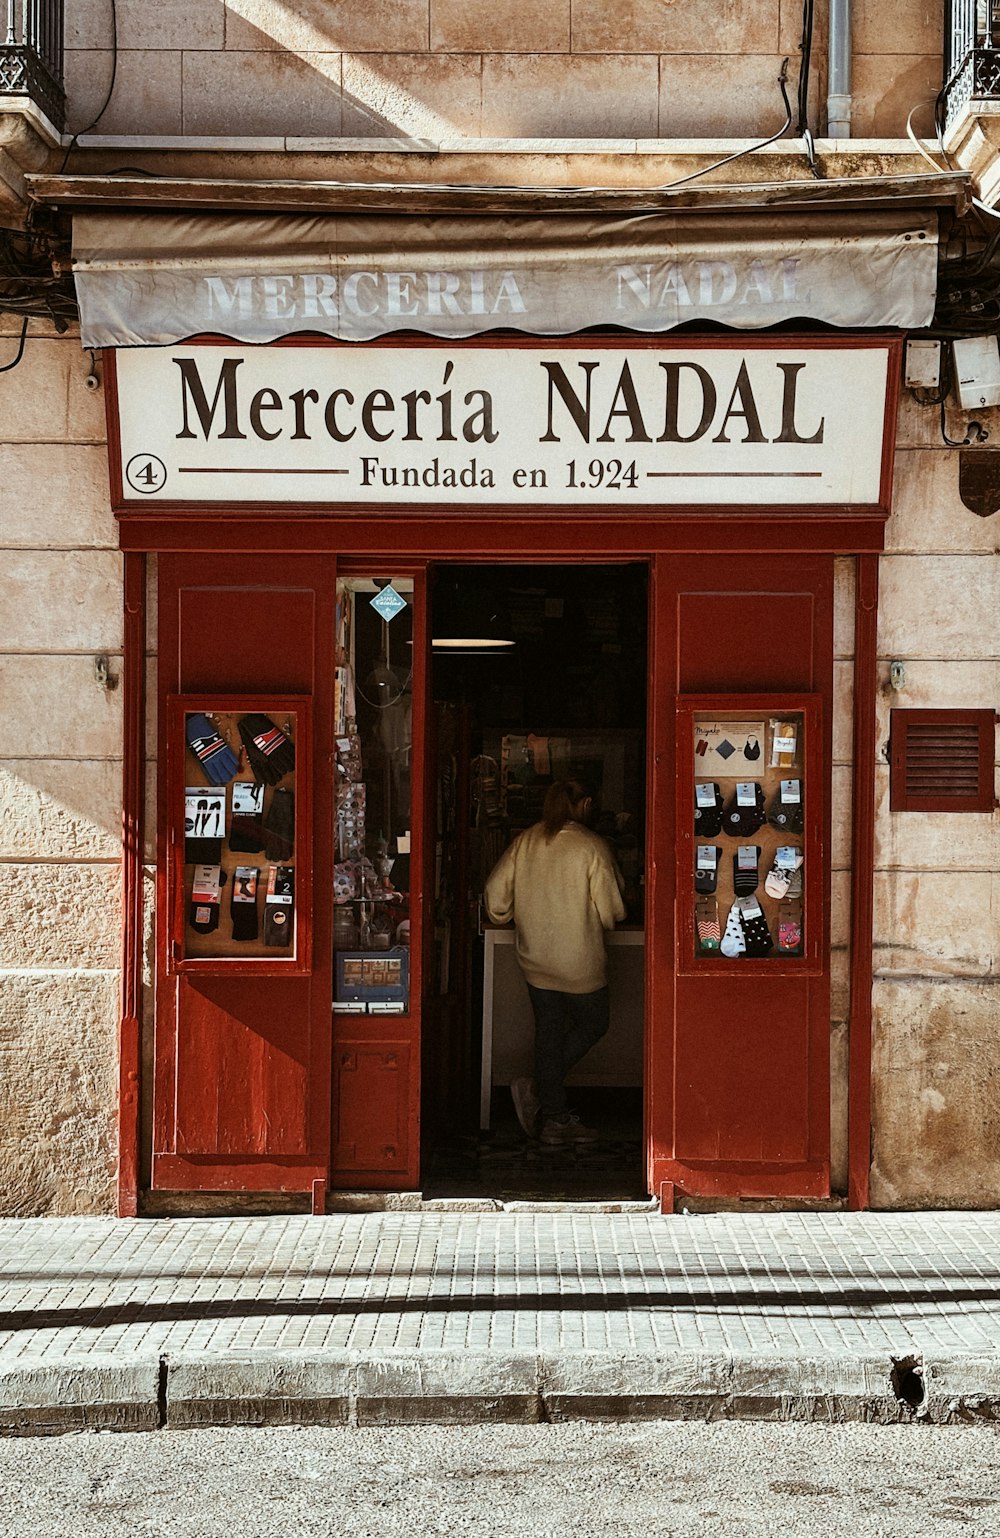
537, 673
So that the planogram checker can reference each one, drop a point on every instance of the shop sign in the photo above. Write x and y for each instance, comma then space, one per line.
544, 425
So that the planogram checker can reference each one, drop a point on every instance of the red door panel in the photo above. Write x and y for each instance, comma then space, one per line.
738, 1088
241, 1097
372, 1105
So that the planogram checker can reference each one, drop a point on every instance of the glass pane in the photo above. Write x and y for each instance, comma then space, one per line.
239, 834
749, 801
373, 707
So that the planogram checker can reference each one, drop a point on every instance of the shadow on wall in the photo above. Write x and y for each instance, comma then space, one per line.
434, 69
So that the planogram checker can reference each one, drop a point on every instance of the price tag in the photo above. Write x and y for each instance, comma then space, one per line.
746, 793
707, 856
791, 792
245, 884
746, 857
786, 857
784, 743
704, 795
750, 907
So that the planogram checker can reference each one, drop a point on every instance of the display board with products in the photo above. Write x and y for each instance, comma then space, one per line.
749, 849
237, 869
372, 764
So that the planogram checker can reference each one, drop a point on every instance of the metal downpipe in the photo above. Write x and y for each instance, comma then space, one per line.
838, 101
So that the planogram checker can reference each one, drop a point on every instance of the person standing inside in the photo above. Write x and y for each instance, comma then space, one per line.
559, 884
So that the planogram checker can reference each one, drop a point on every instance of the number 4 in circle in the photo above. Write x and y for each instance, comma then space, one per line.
146, 474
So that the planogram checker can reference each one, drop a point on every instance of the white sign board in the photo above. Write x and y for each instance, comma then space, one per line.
583, 425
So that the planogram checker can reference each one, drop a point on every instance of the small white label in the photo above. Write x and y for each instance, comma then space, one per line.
784, 744
274, 897
791, 792
206, 883
746, 857
786, 857
750, 907
746, 793
248, 798
707, 856
704, 795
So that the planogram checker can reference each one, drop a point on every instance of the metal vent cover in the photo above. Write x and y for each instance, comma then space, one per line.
941, 761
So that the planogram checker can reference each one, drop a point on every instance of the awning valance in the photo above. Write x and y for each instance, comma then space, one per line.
156, 278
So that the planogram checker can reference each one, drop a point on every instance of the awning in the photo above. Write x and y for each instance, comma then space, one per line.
157, 278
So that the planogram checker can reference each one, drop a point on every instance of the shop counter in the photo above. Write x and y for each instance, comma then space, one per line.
509, 1029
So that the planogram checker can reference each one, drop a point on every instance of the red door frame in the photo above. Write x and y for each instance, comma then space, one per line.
548, 534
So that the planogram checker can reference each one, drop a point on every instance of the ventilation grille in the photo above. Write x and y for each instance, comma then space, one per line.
941, 761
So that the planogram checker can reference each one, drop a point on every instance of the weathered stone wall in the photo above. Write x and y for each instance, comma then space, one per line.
433, 69
936, 1067
60, 784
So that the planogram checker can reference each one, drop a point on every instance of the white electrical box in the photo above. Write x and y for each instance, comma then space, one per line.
977, 371
923, 365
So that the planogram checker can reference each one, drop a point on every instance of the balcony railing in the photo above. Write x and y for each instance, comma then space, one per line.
31, 55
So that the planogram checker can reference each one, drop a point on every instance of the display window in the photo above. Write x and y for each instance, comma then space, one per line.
749, 847
373, 712
239, 833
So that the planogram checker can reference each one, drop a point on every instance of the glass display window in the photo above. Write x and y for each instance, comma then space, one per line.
750, 856
373, 764
239, 833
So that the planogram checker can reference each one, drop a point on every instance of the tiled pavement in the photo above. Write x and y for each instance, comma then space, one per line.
379, 1283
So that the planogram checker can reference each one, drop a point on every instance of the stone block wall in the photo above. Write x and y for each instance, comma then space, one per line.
60, 784
442, 69
936, 1065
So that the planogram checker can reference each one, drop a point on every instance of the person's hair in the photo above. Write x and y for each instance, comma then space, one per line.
561, 801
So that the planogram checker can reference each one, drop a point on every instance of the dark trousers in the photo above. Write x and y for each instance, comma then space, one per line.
567, 1025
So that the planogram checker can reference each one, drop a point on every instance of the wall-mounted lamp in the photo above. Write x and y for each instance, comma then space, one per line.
897, 675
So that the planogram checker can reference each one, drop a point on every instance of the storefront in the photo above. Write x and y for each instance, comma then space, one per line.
310, 513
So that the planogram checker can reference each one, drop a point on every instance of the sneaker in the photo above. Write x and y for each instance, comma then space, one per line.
526, 1104
568, 1132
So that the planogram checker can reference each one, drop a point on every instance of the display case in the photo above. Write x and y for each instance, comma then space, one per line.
239, 834
373, 782
751, 867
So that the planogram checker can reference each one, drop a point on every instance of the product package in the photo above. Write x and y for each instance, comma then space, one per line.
243, 903
246, 835
206, 887
279, 906
707, 810
204, 825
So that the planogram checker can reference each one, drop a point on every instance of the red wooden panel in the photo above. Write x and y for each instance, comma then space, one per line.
372, 1099
755, 641
243, 1061
246, 638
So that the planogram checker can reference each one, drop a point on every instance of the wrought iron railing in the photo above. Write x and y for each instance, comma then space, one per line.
972, 62
31, 55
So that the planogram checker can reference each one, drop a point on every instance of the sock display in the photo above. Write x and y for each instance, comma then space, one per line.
756, 934
707, 810
706, 918
243, 903
706, 870
785, 811
203, 911
787, 861
279, 906
746, 869
246, 834
744, 811
733, 942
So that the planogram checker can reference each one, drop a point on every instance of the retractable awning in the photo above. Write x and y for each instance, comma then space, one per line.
154, 278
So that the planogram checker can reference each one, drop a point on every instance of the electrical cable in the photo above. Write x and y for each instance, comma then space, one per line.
802, 125
20, 349
110, 91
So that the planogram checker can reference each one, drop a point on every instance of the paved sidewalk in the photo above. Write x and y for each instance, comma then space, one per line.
434, 1315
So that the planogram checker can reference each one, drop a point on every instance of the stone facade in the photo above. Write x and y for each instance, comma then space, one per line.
496, 92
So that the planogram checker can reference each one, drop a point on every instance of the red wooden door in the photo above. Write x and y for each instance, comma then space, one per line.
738, 1084
242, 1062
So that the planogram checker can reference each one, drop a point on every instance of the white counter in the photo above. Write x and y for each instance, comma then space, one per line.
509, 1027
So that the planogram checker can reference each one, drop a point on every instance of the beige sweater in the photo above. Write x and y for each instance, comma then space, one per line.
562, 895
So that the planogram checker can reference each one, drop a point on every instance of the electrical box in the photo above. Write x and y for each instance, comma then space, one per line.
923, 365
977, 371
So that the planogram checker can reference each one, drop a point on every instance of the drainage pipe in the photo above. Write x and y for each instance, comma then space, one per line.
838, 101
